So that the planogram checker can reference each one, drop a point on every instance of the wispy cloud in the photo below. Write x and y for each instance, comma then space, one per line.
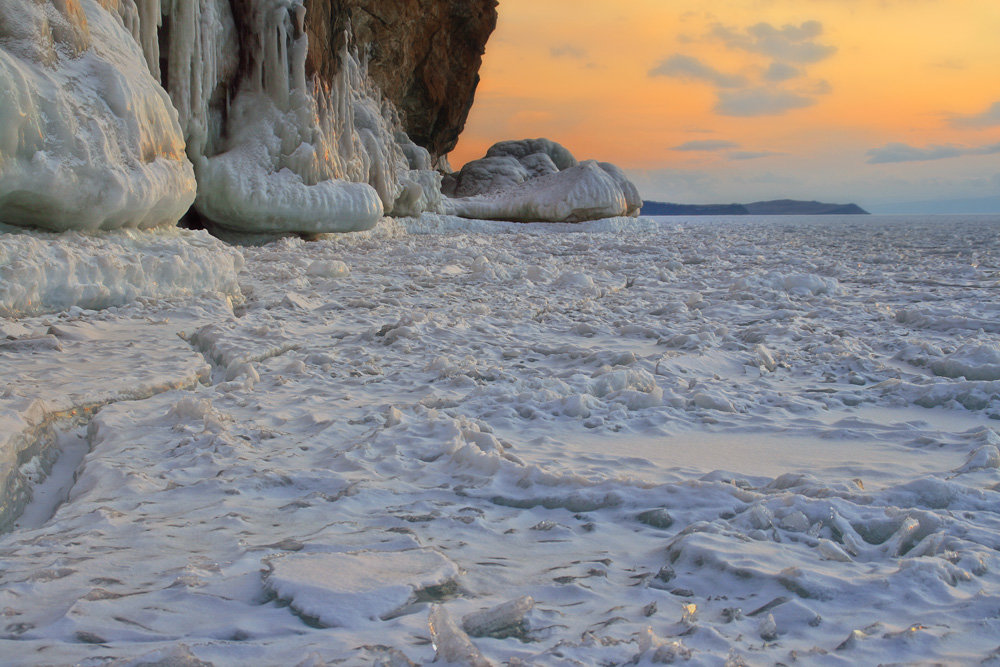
783, 85
988, 118
688, 67
569, 51
760, 102
707, 145
789, 43
949, 64
900, 152
752, 155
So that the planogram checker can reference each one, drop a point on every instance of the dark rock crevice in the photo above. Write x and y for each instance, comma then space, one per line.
424, 55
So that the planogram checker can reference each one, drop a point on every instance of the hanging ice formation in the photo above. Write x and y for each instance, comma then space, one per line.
272, 150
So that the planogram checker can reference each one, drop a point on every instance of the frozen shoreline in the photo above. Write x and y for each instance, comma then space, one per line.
739, 440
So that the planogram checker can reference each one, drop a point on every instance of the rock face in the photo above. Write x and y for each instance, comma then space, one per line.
424, 56
538, 180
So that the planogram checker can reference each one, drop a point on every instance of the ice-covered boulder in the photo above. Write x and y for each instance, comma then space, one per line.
88, 139
525, 148
538, 180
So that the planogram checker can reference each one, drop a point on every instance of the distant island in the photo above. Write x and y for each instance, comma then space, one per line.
775, 207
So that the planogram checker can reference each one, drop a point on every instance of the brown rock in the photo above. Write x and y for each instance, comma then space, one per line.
424, 55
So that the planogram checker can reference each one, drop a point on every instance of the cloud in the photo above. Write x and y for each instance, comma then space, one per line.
790, 43
752, 155
949, 64
988, 118
900, 152
759, 102
706, 145
568, 51
687, 67
779, 72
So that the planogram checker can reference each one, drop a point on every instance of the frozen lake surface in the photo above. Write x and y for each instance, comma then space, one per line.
716, 440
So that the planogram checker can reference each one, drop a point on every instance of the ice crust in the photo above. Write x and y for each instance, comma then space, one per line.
538, 180
694, 440
43, 272
88, 140
88, 362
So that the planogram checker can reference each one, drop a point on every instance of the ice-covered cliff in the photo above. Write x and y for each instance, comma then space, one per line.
279, 137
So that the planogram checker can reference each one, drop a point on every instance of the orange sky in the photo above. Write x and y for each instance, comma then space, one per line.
735, 100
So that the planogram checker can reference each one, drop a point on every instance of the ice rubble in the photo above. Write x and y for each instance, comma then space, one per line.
538, 180
88, 140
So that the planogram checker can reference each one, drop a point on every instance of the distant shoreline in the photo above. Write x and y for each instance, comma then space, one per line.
774, 207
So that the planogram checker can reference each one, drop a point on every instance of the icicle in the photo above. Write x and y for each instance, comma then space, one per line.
150, 19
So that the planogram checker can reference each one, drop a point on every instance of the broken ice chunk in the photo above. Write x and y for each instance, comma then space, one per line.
450, 641
504, 620
343, 589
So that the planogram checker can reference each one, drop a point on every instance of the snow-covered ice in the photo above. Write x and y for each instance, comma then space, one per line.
712, 441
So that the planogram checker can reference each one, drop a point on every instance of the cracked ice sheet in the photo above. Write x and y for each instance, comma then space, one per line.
638, 430
63, 367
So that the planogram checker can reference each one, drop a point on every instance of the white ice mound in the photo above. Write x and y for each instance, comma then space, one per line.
88, 139
537, 180
247, 189
348, 589
43, 272
973, 362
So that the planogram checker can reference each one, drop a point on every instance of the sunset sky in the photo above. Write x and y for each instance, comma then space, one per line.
703, 101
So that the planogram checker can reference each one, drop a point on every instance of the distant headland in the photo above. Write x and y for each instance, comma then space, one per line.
775, 207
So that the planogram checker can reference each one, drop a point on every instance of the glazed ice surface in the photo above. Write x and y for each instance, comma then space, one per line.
717, 440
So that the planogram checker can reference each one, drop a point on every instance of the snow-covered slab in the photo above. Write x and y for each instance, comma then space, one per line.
42, 272
345, 589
